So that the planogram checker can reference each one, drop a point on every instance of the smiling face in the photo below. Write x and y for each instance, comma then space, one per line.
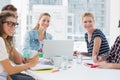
44, 21
88, 23
9, 26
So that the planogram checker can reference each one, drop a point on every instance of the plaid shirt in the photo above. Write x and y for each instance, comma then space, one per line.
113, 55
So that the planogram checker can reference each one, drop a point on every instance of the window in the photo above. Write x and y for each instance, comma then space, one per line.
69, 21
66, 19
69, 37
69, 30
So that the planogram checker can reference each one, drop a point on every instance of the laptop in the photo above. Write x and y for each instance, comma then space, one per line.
53, 48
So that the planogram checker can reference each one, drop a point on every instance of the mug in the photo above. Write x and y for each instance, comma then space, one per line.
57, 60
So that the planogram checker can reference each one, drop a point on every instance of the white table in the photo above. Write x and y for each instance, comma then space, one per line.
80, 72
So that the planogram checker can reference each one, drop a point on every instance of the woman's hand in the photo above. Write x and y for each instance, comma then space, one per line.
98, 58
34, 60
75, 53
103, 65
95, 58
26, 60
101, 58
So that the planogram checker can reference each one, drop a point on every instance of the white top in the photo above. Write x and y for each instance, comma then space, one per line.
3, 53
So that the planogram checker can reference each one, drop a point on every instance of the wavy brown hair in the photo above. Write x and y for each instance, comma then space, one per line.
9, 40
9, 7
43, 14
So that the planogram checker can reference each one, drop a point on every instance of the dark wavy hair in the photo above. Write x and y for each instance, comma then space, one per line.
9, 7
9, 40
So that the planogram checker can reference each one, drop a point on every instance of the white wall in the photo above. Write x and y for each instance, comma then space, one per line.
22, 13
114, 18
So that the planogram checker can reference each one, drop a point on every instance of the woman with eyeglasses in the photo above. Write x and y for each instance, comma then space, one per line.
7, 27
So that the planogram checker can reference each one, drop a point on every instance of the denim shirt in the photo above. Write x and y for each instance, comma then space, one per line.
32, 42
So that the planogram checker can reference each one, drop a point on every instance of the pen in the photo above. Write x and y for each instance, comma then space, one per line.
55, 71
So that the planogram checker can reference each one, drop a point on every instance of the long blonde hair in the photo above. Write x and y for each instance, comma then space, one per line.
43, 14
9, 40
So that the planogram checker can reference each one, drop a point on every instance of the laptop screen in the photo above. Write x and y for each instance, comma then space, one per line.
53, 48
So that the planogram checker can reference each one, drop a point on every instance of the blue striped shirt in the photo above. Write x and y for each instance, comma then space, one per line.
104, 48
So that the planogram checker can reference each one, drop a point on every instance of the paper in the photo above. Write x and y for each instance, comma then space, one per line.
42, 67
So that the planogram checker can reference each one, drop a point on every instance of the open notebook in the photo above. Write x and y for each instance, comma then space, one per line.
42, 67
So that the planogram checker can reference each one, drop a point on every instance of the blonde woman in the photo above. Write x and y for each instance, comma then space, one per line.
35, 37
97, 43
7, 51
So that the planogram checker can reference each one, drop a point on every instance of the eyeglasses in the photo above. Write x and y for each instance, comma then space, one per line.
10, 23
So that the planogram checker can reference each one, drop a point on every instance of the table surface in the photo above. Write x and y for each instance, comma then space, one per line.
79, 72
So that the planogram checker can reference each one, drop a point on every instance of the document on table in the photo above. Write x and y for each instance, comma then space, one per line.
42, 67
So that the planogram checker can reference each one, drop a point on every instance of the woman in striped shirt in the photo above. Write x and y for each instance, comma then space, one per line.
96, 41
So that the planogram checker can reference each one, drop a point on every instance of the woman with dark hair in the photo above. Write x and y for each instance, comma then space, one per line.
112, 59
8, 22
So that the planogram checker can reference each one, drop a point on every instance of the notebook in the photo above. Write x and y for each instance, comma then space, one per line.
42, 67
